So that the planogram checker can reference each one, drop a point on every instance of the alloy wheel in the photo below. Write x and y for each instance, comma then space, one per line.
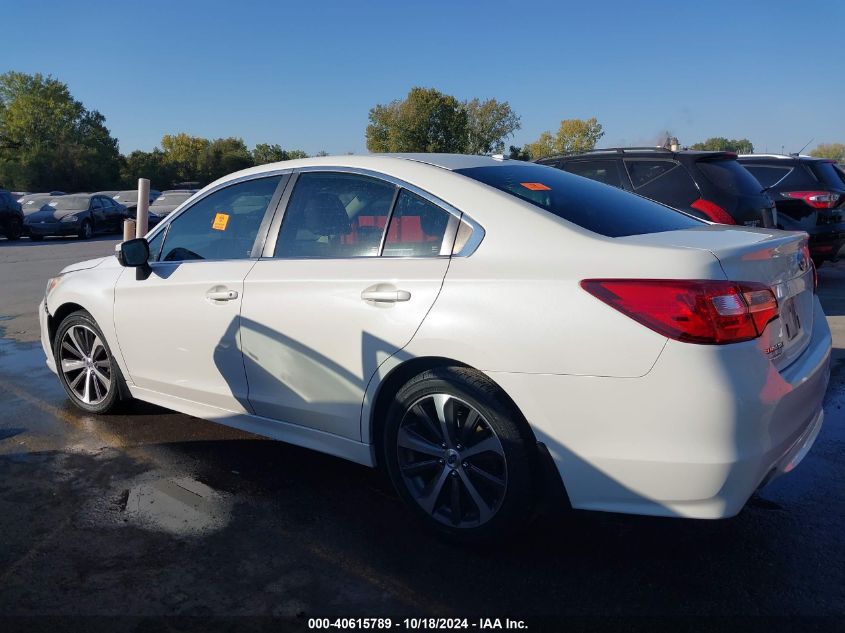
85, 364
451, 461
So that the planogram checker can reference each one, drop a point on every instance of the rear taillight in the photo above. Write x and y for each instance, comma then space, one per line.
713, 211
816, 199
694, 311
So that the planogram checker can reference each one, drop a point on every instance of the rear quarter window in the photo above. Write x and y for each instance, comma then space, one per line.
591, 205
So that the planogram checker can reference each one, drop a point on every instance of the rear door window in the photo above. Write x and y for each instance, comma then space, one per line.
417, 228
335, 215
606, 171
604, 210
768, 175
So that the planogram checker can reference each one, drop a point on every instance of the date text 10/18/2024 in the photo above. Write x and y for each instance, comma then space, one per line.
423, 624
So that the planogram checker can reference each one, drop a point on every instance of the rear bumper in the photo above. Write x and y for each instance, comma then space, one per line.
695, 437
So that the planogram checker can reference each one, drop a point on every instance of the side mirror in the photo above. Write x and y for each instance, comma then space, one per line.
135, 254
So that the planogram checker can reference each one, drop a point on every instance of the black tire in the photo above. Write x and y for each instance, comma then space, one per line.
817, 262
86, 231
36, 238
81, 322
14, 230
509, 505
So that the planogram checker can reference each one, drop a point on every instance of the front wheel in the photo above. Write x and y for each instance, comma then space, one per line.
86, 231
460, 455
86, 367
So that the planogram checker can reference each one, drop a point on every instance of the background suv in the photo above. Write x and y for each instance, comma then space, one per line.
11, 216
709, 185
810, 196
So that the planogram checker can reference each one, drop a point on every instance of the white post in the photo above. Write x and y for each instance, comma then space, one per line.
128, 229
142, 219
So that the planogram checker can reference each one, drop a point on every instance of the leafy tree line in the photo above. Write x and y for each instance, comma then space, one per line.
49, 140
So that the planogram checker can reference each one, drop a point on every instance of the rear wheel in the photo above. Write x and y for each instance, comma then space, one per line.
14, 229
86, 367
460, 455
86, 231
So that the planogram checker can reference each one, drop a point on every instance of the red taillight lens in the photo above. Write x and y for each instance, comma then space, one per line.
713, 211
693, 311
816, 199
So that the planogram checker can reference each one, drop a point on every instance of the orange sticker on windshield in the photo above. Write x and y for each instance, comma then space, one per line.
535, 186
220, 222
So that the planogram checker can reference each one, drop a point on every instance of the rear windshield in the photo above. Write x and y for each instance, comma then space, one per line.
591, 205
828, 174
70, 203
730, 176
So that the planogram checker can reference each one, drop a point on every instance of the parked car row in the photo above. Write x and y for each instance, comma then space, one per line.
786, 192
39, 215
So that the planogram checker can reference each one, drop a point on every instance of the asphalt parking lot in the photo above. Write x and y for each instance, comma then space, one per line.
156, 513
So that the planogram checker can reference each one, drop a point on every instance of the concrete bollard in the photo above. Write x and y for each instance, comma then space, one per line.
142, 218
128, 229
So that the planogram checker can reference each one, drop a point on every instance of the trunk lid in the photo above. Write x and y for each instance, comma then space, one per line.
776, 258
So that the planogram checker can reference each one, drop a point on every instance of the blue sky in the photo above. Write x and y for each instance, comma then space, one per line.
305, 74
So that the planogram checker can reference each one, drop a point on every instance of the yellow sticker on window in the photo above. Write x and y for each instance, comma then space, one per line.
220, 222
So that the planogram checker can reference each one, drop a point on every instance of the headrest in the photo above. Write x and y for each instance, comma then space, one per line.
325, 214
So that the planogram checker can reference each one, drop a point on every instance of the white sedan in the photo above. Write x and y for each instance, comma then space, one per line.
489, 331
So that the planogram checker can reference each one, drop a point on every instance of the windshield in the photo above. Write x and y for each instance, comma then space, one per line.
70, 203
31, 198
171, 199
126, 196
594, 206
729, 175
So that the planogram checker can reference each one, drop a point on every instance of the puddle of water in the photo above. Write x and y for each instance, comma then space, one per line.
178, 505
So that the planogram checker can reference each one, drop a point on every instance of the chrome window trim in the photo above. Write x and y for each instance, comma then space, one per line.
257, 246
470, 247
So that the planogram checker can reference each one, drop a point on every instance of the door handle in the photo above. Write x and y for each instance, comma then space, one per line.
222, 295
385, 296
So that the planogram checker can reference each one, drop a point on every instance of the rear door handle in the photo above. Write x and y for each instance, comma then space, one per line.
222, 295
385, 296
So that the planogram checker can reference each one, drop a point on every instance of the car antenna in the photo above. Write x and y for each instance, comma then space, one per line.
798, 153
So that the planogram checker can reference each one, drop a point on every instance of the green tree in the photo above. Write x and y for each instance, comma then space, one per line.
722, 144
573, 136
518, 153
489, 123
224, 156
151, 165
834, 151
425, 121
49, 140
186, 156
264, 153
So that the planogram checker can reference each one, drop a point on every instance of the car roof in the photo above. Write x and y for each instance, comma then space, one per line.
776, 157
639, 152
